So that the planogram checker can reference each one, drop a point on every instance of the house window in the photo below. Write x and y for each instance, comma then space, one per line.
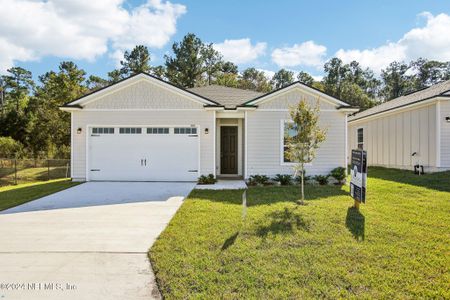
185, 130
102, 130
360, 138
130, 130
289, 132
155, 130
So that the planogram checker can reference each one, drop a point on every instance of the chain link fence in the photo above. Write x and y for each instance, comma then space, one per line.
16, 171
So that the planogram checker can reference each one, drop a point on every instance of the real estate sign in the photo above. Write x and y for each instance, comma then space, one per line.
358, 175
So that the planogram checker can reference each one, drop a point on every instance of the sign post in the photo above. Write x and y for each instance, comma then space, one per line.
358, 172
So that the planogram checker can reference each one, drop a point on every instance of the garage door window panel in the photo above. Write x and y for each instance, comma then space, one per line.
158, 130
102, 130
130, 130
185, 130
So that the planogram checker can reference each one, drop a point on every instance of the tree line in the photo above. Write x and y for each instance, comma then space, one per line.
32, 125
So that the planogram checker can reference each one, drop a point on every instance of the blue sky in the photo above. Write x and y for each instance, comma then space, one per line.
297, 35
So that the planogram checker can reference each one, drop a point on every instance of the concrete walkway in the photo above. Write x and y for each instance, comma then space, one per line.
223, 184
56, 248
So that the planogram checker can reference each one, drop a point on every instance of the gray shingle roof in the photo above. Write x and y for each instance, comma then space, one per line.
442, 88
227, 96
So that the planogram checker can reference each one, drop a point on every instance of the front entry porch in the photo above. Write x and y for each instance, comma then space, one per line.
230, 147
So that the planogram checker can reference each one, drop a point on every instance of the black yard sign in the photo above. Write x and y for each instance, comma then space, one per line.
358, 175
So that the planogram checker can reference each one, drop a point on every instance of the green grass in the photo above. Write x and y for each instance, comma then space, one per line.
31, 174
14, 195
397, 246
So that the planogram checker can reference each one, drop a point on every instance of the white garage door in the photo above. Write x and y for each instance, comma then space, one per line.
143, 153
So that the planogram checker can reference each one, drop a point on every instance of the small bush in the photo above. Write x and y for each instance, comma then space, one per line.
321, 179
283, 179
258, 179
298, 178
9, 148
339, 174
207, 179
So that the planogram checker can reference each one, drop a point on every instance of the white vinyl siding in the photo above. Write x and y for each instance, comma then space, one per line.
264, 153
445, 134
143, 119
292, 97
143, 95
390, 140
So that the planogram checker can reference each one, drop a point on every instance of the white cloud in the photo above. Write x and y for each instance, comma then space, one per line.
81, 29
240, 51
432, 41
305, 54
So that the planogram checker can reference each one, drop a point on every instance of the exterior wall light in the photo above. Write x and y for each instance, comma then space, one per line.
79, 130
206, 130
447, 119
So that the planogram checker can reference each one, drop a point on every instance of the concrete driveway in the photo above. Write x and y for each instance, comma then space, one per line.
86, 242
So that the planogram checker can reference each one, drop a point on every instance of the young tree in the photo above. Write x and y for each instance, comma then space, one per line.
282, 78
303, 136
186, 67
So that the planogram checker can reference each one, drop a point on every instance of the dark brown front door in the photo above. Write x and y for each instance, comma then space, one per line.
228, 149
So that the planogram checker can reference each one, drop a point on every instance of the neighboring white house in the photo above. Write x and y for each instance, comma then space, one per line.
145, 129
406, 131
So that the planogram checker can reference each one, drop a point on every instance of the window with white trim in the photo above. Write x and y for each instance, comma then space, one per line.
102, 130
130, 130
360, 138
185, 130
288, 132
158, 130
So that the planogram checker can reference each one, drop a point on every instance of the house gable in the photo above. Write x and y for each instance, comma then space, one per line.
141, 91
286, 96
292, 98
143, 95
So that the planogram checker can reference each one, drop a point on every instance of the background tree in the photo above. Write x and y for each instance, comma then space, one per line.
136, 61
335, 74
396, 82
212, 62
18, 84
305, 78
429, 72
17, 87
307, 137
282, 78
159, 72
252, 79
9, 148
50, 122
185, 67
114, 76
229, 67
95, 83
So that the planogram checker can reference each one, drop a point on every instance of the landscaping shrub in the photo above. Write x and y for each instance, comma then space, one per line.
207, 179
339, 174
258, 179
298, 179
283, 179
321, 179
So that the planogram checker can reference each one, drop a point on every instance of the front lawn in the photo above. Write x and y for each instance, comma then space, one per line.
397, 246
14, 195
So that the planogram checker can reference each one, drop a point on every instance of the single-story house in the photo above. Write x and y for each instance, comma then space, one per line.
410, 130
146, 129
